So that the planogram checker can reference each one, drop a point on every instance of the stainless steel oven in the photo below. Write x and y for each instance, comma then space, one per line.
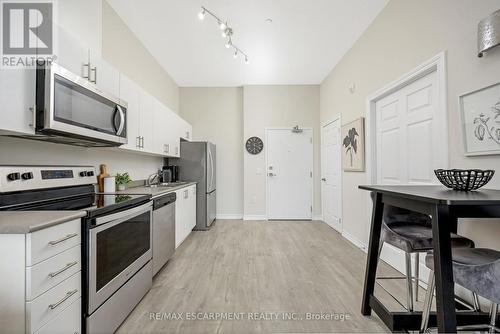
72, 110
119, 245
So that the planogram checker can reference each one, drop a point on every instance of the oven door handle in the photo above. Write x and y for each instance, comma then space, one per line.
126, 214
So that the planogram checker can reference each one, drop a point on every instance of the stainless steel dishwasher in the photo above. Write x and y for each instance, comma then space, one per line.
163, 229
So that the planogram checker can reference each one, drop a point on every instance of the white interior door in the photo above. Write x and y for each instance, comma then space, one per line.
331, 191
289, 174
409, 133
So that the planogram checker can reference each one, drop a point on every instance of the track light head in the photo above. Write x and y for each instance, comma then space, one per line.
246, 60
222, 25
235, 54
229, 43
201, 15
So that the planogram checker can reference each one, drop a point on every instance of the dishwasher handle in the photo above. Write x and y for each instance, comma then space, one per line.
164, 200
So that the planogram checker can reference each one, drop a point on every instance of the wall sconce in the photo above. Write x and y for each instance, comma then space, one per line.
488, 33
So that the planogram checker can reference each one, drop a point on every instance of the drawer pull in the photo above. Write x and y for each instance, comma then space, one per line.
68, 295
69, 265
69, 236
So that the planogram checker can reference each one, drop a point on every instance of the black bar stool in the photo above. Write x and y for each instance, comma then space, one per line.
476, 269
411, 232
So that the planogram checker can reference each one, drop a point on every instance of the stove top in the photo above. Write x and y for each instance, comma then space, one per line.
44, 188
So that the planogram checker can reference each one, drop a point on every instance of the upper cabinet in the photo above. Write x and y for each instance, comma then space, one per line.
152, 128
17, 100
129, 92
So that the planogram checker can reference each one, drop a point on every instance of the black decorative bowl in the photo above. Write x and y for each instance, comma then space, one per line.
464, 179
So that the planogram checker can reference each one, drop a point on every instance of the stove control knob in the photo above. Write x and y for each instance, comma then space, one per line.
13, 176
27, 176
90, 173
83, 174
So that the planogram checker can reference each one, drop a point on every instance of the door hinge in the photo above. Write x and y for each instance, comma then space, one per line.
311, 174
311, 140
311, 208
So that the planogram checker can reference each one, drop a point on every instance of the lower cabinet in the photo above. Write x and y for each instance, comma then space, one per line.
185, 213
41, 280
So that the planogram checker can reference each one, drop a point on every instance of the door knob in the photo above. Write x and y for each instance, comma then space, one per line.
323, 179
271, 174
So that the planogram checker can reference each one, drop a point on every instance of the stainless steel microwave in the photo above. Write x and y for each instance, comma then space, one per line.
72, 110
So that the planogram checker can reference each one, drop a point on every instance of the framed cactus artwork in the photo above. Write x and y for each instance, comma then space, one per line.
480, 121
353, 145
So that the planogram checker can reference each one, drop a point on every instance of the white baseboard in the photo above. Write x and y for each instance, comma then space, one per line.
254, 217
355, 241
318, 217
223, 216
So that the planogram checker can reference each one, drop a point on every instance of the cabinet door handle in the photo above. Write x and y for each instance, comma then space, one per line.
187, 134
69, 265
142, 142
176, 150
69, 236
68, 295
138, 142
186, 194
87, 65
167, 148
95, 75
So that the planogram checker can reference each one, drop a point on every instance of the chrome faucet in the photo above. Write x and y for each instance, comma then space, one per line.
151, 178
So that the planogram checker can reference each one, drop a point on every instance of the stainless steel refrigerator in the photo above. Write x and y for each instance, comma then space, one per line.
198, 163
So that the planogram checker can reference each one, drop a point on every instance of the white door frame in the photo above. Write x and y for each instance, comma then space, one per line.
337, 117
435, 64
265, 168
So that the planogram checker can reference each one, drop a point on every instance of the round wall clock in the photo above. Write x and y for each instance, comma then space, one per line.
254, 145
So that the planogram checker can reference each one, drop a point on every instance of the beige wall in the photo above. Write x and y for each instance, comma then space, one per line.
404, 35
124, 51
276, 106
217, 116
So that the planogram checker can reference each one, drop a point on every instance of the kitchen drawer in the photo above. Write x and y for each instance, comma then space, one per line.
41, 245
46, 307
47, 274
69, 321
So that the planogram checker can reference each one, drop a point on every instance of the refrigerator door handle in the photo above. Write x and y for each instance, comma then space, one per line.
211, 169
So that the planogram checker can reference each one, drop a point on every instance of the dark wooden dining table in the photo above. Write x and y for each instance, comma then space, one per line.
445, 206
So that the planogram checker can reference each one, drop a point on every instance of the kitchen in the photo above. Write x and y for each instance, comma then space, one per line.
189, 167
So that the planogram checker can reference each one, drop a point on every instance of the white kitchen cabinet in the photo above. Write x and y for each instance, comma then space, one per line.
82, 19
41, 280
185, 213
166, 140
17, 100
71, 53
129, 92
146, 120
185, 130
104, 75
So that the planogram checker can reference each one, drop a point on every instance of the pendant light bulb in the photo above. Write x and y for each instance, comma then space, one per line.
201, 15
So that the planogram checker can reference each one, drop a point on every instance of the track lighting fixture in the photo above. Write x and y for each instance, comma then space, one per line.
227, 32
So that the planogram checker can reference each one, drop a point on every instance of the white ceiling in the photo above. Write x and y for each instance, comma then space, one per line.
304, 42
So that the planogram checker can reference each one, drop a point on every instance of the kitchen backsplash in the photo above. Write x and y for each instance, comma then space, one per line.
15, 151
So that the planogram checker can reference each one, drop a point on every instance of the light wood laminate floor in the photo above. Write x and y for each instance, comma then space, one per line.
274, 269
